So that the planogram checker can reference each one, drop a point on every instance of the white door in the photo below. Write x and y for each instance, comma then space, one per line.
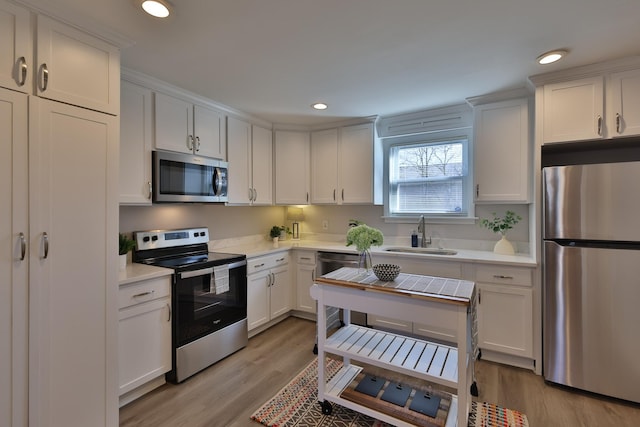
505, 319
574, 110
356, 164
73, 180
173, 124
292, 156
262, 159
304, 280
624, 117
239, 158
14, 235
280, 291
210, 132
136, 144
93, 82
258, 298
501, 152
324, 166
16, 60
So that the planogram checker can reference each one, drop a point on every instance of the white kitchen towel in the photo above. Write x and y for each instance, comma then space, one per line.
221, 278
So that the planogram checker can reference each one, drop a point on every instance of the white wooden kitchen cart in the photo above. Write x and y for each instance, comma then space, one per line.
413, 298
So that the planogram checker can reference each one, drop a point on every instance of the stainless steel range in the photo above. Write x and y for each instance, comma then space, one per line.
209, 296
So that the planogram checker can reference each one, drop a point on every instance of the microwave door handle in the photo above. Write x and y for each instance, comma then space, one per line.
217, 182
196, 273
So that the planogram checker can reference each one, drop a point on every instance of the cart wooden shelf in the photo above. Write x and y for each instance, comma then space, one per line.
414, 298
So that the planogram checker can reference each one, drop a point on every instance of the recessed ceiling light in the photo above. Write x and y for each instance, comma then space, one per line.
320, 106
157, 8
549, 57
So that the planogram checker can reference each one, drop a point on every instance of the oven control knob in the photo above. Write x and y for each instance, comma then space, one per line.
202, 233
146, 239
154, 238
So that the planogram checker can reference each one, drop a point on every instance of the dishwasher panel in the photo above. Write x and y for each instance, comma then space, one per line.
331, 261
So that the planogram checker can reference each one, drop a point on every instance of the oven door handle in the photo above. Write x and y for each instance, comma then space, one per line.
196, 273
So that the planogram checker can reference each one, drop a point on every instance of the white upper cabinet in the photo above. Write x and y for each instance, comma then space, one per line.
574, 110
356, 164
624, 113
292, 164
262, 165
600, 101
93, 82
324, 166
16, 60
250, 156
136, 126
501, 150
342, 165
210, 132
188, 128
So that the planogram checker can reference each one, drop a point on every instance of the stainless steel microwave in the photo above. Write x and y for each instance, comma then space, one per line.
186, 178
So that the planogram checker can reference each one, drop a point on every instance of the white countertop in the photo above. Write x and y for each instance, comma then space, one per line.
254, 249
136, 272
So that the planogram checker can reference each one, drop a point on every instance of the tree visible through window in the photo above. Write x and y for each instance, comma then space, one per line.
428, 178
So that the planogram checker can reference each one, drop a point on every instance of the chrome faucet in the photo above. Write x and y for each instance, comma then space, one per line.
422, 229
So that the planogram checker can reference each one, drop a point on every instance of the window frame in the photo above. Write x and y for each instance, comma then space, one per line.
427, 138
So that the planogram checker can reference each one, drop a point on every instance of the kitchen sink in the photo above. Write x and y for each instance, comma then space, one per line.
429, 251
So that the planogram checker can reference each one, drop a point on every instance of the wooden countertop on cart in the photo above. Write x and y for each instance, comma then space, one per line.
437, 289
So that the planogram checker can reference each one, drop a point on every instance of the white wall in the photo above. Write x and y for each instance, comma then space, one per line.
233, 221
223, 221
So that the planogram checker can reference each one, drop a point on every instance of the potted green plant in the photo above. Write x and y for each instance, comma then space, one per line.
126, 245
500, 224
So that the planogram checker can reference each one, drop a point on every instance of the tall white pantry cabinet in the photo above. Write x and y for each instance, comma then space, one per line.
58, 250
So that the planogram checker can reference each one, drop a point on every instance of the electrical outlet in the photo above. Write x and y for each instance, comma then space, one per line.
325, 224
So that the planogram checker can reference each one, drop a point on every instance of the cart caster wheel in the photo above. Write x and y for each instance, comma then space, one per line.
474, 389
326, 407
315, 349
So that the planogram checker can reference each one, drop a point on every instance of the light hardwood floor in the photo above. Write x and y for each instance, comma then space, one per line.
227, 393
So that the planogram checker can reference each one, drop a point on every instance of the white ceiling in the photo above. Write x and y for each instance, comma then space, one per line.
273, 58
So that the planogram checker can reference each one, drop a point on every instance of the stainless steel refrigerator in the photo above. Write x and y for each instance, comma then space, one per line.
591, 286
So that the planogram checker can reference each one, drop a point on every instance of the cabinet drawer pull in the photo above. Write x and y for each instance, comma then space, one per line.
343, 194
500, 276
334, 194
190, 142
280, 260
258, 265
305, 258
618, 119
197, 143
22, 67
600, 125
150, 191
23, 246
143, 294
169, 308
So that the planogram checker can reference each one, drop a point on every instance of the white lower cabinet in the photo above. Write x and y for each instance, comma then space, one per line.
505, 320
268, 289
305, 276
505, 309
144, 337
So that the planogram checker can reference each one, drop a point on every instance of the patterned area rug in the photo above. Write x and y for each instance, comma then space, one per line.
297, 405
